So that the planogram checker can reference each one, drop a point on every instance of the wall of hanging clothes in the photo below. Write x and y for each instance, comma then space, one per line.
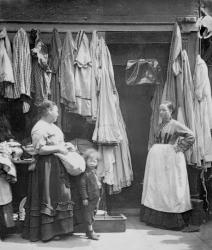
85, 74
76, 72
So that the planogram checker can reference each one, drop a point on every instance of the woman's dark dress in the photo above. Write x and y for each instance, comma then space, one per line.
49, 206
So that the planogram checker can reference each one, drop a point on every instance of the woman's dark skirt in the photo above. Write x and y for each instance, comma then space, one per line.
49, 208
170, 221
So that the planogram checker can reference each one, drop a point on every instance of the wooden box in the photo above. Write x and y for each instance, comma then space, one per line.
110, 223
105, 224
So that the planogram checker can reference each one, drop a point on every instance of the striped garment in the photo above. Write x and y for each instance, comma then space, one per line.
21, 68
41, 73
6, 71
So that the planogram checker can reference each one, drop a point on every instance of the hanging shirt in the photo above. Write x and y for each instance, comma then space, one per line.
83, 75
67, 81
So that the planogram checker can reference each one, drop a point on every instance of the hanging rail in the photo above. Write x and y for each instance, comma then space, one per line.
63, 26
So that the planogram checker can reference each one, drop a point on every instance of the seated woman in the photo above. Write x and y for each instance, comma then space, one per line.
166, 194
49, 207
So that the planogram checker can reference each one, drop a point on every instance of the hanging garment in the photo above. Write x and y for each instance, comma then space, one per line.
41, 73
123, 173
4, 36
83, 66
107, 127
188, 105
174, 71
6, 70
54, 63
155, 104
21, 68
142, 71
202, 112
116, 167
67, 81
94, 51
106, 164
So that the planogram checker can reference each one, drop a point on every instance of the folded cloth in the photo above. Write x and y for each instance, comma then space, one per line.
7, 168
73, 162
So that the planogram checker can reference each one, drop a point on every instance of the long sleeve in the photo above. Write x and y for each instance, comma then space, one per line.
186, 137
83, 187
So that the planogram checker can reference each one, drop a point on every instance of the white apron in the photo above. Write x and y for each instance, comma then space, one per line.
166, 186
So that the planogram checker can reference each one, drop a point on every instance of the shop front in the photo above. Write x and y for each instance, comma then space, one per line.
132, 30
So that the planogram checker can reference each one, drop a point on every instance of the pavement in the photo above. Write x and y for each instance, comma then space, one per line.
138, 236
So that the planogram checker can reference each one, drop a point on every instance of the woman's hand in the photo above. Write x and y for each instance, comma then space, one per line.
62, 149
85, 202
177, 149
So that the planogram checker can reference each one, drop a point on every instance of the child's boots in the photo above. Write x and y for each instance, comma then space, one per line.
92, 235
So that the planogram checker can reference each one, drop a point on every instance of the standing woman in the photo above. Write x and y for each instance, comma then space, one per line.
166, 194
49, 209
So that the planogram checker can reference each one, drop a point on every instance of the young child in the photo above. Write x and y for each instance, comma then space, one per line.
90, 191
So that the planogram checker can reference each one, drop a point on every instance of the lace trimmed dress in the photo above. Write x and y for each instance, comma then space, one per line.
166, 194
49, 207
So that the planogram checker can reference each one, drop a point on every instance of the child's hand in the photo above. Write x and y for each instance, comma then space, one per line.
85, 202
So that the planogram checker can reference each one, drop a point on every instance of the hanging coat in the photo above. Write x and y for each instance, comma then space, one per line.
202, 114
174, 71
188, 105
107, 126
94, 51
83, 75
116, 168
155, 104
54, 63
123, 173
67, 81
